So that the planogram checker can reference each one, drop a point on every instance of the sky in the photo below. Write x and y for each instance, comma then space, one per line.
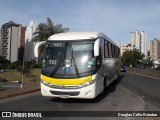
115, 18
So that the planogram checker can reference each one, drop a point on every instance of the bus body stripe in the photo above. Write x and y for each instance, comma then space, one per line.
59, 81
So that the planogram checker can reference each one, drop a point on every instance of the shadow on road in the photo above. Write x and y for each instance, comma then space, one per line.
111, 88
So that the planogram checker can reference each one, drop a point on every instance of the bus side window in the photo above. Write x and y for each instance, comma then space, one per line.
116, 52
113, 54
110, 50
106, 52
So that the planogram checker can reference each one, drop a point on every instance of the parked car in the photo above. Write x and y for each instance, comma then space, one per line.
1, 71
157, 68
123, 68
141, 66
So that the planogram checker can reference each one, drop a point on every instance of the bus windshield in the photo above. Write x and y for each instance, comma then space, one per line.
69, 59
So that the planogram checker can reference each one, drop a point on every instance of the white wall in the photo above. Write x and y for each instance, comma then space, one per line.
14, 44
29, 45
136, 37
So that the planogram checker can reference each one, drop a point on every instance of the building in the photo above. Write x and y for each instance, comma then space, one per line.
29, 45
155, 49
148, 52
119, 44
0, 43
125, 48
138, 41
12, 41
21, 42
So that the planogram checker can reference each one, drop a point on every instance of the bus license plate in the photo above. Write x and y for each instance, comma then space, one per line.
64, 96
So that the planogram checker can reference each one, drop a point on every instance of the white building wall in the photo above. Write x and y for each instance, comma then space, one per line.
159, 50
9, 44
145, 44
11, 40
14, 44
138, 39
142, 42
119, 44
29, 45
0, 43
19, 37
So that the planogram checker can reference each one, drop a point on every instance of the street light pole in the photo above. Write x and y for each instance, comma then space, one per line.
22, 84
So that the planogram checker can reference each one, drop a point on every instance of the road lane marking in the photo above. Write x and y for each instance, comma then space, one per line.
144, 75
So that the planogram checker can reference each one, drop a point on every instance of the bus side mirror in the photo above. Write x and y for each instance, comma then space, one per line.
96, 48
38, 48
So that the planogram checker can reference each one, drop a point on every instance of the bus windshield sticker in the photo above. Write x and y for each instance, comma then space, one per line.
68, 69
90, 62
67, 65
43, 63
52, 62
67, 61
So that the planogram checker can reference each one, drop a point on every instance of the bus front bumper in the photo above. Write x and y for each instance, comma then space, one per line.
88, 92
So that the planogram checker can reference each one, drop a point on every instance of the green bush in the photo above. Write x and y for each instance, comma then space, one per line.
4, 63
132, 57
37, 65
33, 80
12, 66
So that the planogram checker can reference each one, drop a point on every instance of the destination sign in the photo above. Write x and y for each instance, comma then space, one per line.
59, 44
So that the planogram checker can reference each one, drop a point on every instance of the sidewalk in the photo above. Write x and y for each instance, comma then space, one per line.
147, 71
14, 89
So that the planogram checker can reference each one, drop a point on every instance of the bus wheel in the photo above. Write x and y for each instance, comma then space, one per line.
116, 77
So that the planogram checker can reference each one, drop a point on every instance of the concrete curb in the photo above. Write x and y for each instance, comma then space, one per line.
17, 94
148, 72
143, 75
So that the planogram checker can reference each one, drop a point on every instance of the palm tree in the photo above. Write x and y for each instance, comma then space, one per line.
45, 30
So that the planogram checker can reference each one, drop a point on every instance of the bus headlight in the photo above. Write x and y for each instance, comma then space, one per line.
87, 83
45, 83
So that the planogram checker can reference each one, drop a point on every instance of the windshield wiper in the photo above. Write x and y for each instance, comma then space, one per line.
59, 63
74, 63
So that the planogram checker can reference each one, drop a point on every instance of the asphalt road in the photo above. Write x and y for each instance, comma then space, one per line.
146, 87
131, 93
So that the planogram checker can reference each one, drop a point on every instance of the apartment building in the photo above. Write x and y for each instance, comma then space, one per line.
125, 48
155, 49
0, 44
29, 45
138, 41
12, 41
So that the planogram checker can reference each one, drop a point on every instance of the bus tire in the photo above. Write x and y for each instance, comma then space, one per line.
116, 77
104, 84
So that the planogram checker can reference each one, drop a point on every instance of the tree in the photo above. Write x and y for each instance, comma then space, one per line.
45, 30
4, 63
132, 57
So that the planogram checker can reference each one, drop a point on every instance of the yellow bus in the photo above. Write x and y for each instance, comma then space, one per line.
77, 64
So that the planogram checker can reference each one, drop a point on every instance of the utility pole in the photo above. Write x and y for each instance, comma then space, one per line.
22, 84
